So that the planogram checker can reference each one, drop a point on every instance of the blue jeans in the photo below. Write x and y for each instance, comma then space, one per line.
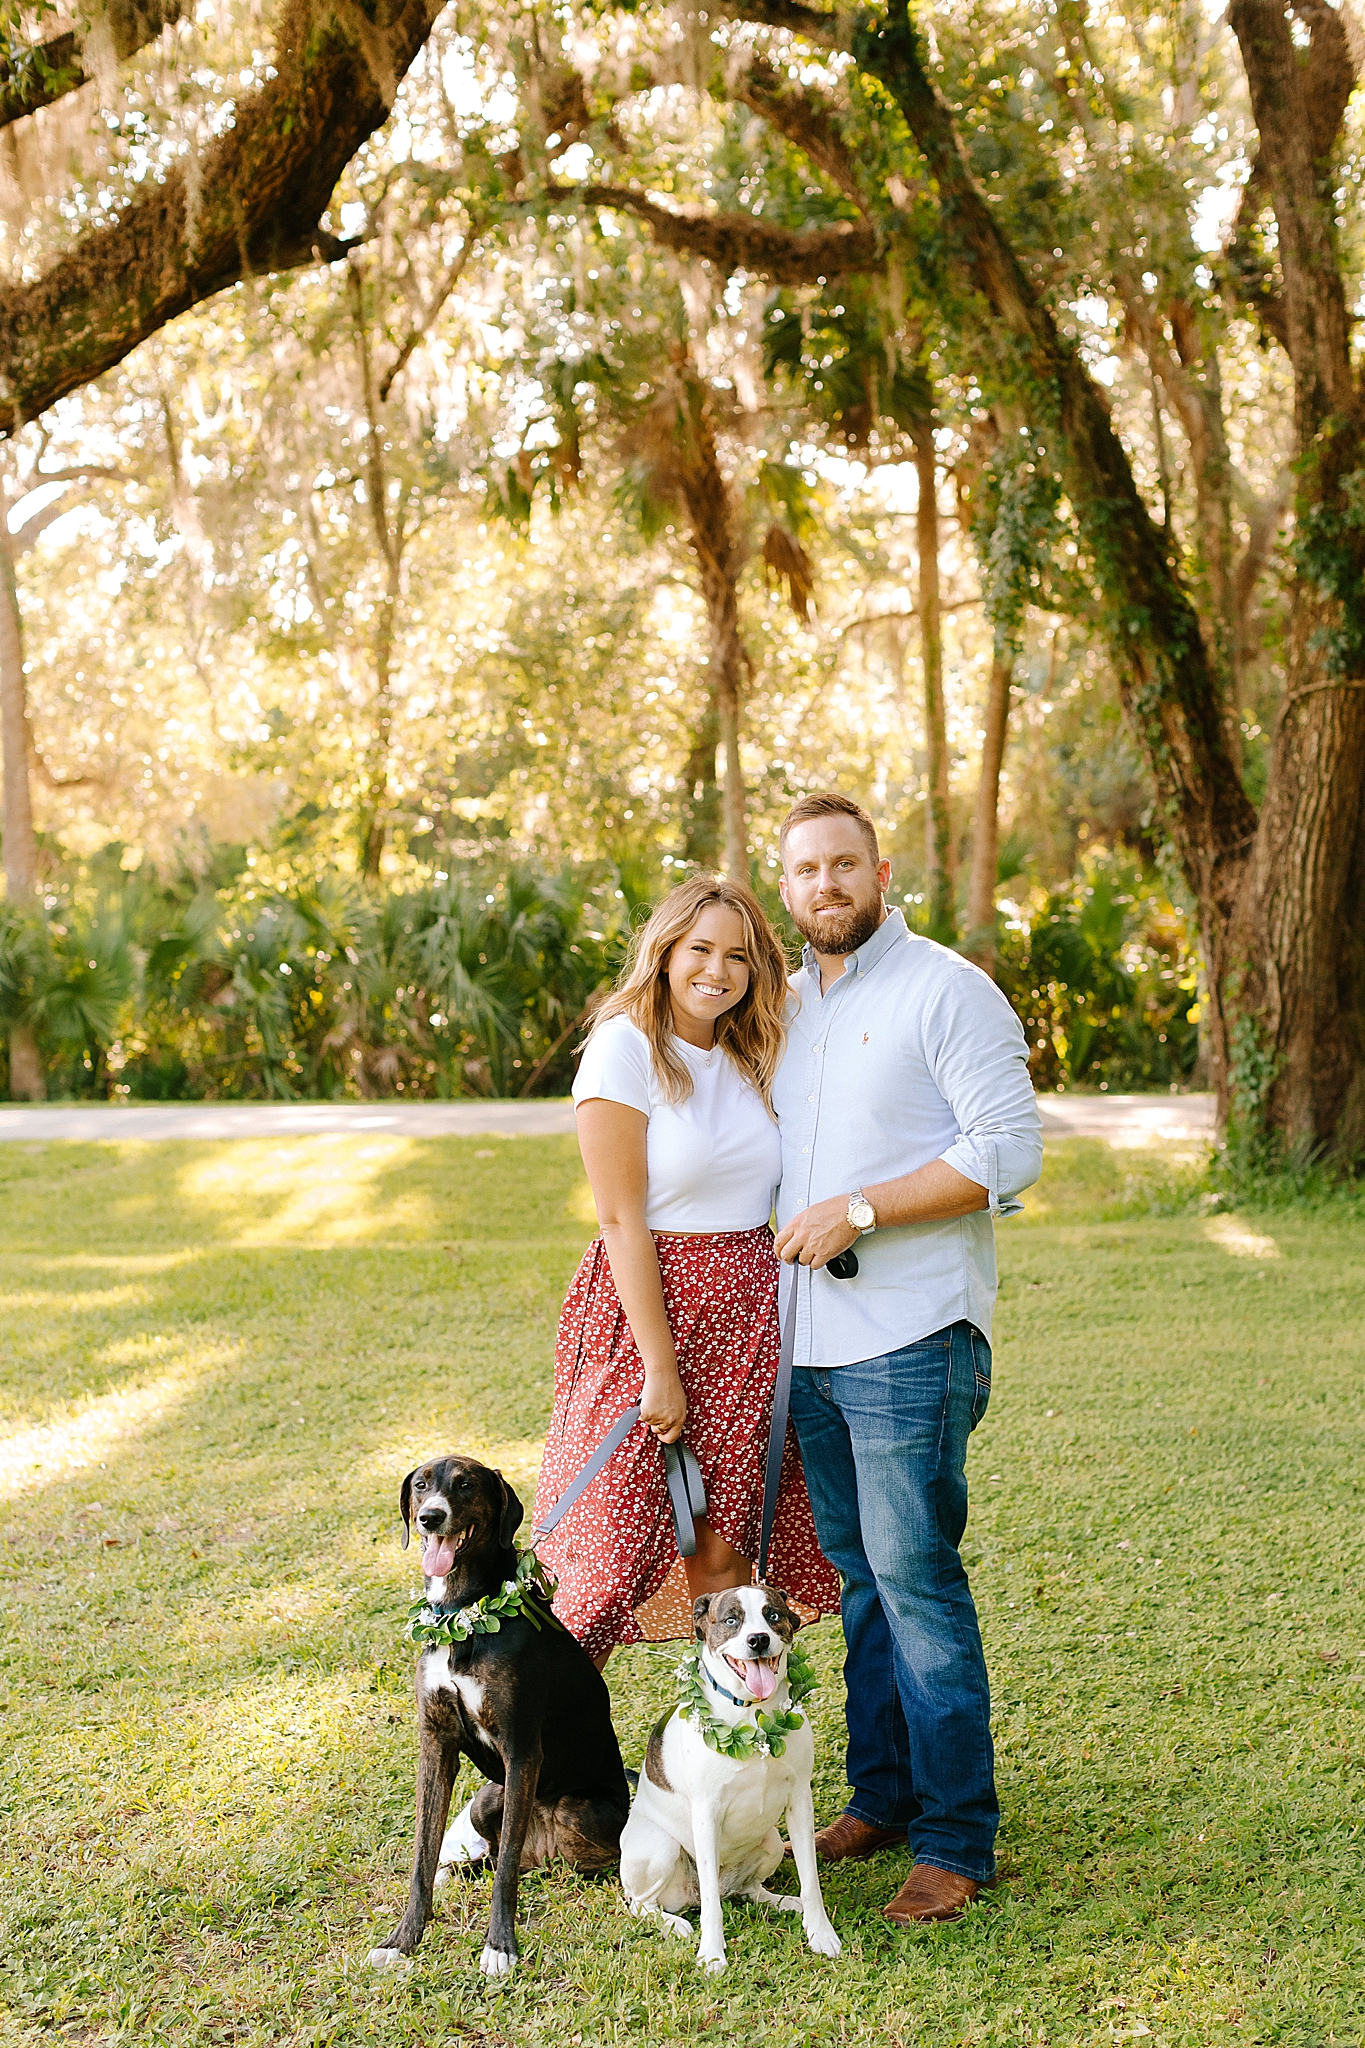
884, 1444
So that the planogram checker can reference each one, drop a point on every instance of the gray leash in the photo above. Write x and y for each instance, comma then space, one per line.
777, 1431
685, 1489
686, 1493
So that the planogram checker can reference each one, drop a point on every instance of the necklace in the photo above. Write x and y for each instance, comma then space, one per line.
527, 1594
766, 1734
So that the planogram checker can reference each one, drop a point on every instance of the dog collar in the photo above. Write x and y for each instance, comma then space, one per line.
724, 1691
527, 1594
765, 1734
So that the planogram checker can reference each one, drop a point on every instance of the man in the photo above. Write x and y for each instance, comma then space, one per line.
908, 1124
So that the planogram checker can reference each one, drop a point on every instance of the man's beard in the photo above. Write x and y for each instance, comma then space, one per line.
844, 931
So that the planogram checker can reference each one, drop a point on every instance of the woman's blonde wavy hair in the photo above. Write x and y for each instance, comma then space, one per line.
753, 1033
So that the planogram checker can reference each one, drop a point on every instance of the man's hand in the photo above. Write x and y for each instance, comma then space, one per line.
818, 1234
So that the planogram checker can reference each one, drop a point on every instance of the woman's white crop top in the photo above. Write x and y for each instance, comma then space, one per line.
714, 1160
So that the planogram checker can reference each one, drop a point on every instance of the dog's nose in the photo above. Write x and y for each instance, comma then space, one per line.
759, 1644
431, 1518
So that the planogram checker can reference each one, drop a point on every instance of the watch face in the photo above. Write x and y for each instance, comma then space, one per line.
861, 1213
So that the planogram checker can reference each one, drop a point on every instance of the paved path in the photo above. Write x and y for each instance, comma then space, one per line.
1123, 1119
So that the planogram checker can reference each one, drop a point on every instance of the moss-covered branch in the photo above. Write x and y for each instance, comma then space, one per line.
263, 188
45, 71
739, 241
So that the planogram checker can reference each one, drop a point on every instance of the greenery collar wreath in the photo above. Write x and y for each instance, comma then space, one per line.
527, 1594
766, 1734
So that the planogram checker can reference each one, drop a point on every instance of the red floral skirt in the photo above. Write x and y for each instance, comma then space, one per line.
615, 1548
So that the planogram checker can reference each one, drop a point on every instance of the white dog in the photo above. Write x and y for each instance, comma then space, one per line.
704, 1823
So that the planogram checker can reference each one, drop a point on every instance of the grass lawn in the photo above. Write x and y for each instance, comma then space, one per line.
219, 1359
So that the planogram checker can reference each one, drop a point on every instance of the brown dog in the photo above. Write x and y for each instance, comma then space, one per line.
527, 1704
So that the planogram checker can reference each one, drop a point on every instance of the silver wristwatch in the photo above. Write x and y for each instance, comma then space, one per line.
861, 1213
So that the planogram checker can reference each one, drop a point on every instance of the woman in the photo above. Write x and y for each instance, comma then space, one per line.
675, 1304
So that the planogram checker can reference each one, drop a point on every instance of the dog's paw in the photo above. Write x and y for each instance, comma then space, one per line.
823, 1939
496, 1962
713, 1965
789, 1903
675, 1923
389, 1959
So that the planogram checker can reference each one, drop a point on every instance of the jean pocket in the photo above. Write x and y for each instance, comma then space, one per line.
981, 1380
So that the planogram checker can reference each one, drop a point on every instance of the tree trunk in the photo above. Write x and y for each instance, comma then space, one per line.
26, 1082
1294, 997
21, 846
701, 801
732, 788
1293, 993
986, 818
719, 557
940, 851
374, 797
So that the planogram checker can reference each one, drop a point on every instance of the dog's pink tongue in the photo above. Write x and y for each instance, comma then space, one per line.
761, 1679
438, 1555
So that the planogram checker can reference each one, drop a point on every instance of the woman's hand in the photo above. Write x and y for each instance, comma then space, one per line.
663, 1404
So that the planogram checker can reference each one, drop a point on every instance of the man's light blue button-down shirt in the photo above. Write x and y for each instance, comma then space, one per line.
912, 1055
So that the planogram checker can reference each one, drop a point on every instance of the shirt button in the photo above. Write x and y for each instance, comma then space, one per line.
810, 1098
805, 1148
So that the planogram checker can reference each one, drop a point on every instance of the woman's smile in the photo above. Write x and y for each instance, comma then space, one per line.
708, 974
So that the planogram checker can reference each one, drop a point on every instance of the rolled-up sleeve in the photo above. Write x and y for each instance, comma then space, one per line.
978, 1056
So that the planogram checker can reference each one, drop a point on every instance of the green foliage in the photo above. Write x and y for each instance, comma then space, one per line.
766, 1734
1101, 973
843, 353
476, 984
1020, 533
525, 1596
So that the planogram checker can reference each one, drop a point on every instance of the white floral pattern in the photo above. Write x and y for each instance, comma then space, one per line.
615, 1547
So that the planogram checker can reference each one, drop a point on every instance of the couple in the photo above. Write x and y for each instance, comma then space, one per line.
884, 1093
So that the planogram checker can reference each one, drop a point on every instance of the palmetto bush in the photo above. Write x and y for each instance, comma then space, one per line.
482, 985
1102, 975
478, 985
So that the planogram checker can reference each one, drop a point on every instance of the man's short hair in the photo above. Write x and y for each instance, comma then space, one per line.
831, 806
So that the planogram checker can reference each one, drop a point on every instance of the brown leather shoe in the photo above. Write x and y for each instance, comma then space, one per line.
849, 1840
931, 1894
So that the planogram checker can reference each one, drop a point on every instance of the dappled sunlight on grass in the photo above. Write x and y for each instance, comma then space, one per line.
53, 1301
145, 1263
207, 1696
1231, 1234
92, 1431
320, 1191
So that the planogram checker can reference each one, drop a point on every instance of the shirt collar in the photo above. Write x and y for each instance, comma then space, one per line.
892, 929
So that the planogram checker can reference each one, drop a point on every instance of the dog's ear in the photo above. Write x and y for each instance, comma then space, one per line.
405, 1504
513, 1515
700, 1611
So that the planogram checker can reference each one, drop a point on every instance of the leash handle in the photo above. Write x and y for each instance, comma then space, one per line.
777, 1433
686, 1490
